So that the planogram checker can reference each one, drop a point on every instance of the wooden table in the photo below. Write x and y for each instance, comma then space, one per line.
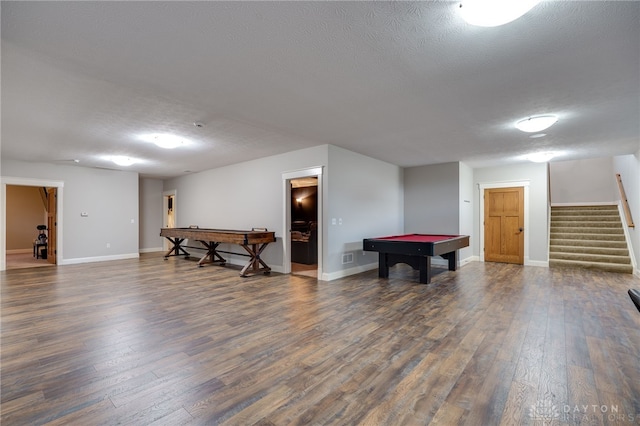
253, 242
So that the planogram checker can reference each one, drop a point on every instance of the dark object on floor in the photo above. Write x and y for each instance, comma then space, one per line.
635, 297
304, 243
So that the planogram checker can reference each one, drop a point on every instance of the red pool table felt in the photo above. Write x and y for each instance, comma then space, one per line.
418, 238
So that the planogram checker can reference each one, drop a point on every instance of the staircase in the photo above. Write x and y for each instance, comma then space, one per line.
588, 237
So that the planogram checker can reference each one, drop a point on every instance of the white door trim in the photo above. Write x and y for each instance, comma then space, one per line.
286, 219
9, 180
491, 185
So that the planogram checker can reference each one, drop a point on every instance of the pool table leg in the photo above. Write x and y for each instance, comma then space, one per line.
383, 265
425, 270
452, 257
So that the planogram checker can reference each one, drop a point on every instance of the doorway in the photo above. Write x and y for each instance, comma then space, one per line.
302, 239
169, 213
304, 226
43, 199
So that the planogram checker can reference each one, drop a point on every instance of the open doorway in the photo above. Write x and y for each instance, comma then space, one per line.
304, 226
169, 212
303, 221
31, 219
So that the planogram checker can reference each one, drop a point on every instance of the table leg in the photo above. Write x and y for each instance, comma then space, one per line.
453, 260
425, 270
383, 265
212, 254
255, 261
176, 249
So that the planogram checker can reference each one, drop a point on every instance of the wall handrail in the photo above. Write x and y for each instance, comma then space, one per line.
625, 202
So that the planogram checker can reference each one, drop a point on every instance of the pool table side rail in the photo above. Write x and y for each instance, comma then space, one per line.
414, 248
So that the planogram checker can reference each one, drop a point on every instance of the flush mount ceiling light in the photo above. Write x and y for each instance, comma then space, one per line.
164, 140
541, 157
168, 141
492, 13
121, 160
536, 123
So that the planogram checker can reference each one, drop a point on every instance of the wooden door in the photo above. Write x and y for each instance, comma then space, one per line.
504, 225
52, 224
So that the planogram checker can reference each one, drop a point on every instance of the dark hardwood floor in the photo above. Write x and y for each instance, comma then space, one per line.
150, 341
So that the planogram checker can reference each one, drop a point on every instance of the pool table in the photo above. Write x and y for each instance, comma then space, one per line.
415, 250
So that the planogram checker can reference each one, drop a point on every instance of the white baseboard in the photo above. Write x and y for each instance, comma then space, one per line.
19, 251
151, 250
79, 260
540, 263
330, 276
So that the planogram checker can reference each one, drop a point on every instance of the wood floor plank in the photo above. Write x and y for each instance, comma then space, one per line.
147, 341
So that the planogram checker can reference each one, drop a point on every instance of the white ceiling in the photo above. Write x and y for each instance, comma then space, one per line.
405, 82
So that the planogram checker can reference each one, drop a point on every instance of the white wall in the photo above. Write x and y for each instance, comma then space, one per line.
151, 215
629, 168
438, 199
432, 199
109, 197
583, 181
366, 195
466, 209
536, 233
242, 196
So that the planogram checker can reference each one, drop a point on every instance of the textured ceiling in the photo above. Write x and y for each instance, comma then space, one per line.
408, 82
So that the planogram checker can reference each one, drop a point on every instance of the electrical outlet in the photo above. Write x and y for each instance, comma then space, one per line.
108, 245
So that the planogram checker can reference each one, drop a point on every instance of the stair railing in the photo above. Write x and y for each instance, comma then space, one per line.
625, 202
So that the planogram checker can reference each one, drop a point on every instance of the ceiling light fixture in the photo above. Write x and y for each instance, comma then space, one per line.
121, 160
541, 157
492, 13
164, 140
168, 141
536, 123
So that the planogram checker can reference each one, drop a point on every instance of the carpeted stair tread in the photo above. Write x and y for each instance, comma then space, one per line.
594, 237
611, 251
602, 266
585, 224
586, 257
588, 237
587, 230
588, 243
585, 218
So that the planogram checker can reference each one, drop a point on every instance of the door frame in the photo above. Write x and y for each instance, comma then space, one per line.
286, 217
508, 184
165, 206
9, 180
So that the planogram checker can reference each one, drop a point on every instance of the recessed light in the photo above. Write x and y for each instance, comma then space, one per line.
538, 135
492, 13
536, 123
